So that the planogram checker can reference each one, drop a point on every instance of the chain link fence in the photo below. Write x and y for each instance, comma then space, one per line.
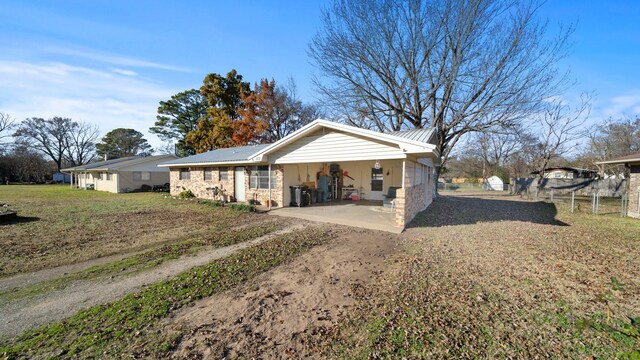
596, 196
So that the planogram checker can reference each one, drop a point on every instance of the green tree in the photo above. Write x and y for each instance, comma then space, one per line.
123, 142
178, 116
224, 99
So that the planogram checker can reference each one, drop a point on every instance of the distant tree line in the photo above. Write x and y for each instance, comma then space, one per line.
510, 153
41, 147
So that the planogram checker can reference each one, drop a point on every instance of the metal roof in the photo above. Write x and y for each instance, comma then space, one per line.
421, 135
100, 163
623, 159
236, 154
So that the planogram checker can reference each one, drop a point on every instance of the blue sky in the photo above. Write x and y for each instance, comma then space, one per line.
111, 62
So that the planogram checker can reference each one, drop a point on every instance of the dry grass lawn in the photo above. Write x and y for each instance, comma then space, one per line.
60, 226
495, 277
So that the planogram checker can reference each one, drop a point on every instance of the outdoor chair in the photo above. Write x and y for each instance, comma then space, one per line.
389, 200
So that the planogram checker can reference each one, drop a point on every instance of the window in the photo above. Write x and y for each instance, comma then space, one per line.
141, 176
185, 174
108, 176
377, 176
208, 173
99, 176
259, 177
224, 173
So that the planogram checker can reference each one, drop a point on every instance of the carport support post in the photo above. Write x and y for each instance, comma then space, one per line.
269, 186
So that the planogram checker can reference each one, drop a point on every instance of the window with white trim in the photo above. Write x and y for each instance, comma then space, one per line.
108, 176
259, 177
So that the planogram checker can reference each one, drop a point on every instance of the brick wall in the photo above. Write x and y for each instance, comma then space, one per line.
200, 187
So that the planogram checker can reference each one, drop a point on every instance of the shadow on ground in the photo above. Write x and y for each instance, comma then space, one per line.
18, 220
466, 209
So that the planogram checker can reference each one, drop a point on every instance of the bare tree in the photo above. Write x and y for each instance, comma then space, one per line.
614, 138
458, 66
81, 143
6, 124
559, 129
58, 138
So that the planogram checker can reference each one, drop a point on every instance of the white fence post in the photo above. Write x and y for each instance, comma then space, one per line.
573, 201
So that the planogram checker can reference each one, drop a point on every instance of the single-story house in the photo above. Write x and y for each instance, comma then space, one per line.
494, 183
632, 162
121, 175
565, 172
328, 161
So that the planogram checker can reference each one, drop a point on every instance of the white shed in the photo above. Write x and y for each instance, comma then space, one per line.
494, 183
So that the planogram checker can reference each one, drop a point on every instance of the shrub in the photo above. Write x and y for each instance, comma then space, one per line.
186, 194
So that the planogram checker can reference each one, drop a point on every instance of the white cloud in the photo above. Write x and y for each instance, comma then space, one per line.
108, 58
623, 105
108, 98
124, 72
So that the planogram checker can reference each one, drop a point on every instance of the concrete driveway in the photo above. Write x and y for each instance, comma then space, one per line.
365, 214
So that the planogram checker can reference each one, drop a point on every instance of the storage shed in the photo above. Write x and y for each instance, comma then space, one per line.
494, 183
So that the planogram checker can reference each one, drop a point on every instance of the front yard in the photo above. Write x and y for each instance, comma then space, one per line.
475, 276
61, 226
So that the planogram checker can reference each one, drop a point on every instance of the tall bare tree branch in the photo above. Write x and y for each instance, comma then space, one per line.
458, 66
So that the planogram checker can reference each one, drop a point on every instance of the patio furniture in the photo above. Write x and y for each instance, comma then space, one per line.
389, 200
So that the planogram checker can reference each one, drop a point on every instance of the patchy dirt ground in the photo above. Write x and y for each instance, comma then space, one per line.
282, 313
28, 313
477, 275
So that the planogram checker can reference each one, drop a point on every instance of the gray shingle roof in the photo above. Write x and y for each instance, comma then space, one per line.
422, 135
236, 154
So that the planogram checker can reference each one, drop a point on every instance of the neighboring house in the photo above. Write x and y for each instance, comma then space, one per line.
61, 178
121, 175
563, 172
632, 162
494, 183
341, 161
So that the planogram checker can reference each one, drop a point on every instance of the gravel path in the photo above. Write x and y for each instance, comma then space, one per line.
24, 314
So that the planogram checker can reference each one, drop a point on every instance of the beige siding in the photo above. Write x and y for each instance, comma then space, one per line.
333, 147
127, 183
360, 171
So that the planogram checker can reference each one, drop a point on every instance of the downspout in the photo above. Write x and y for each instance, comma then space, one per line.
269, 186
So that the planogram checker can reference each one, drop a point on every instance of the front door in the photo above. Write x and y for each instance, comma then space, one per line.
377, 186
240, 190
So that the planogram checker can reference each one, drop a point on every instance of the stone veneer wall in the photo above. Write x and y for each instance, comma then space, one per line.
634, 190
201, 187
410, 201
260, 195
